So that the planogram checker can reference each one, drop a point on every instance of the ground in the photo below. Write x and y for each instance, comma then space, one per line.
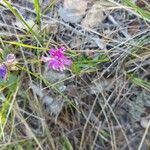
101, 101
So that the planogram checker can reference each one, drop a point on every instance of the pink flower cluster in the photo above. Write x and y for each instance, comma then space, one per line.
57, 59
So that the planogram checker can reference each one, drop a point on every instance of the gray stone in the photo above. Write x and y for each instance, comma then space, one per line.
70, 15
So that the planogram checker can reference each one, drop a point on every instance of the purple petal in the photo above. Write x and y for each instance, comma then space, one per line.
56, 64
58, 53
62, 49
67, 61
3, 71
52, 51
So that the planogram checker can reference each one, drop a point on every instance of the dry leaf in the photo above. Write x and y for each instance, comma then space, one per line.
96, 14
73, 10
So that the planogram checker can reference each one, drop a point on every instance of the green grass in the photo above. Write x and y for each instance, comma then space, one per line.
145, 14
140, 82
25, 45
12, 87
38, 11
22, 20
84, 64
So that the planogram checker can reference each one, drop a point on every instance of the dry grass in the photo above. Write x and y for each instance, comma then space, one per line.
89, 106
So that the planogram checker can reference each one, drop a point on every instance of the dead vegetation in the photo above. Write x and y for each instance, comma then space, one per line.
103, 101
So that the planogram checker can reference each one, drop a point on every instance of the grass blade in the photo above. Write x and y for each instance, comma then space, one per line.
38, 11
23, 21
143, 13
25, 45
140, 82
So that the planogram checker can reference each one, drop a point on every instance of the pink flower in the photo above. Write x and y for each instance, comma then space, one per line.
57, 53
57, 60
10, 59
11, 62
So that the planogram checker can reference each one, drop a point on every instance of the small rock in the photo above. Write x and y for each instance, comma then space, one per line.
101, 85
145, 122
73, 10
53, 104
53, 76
